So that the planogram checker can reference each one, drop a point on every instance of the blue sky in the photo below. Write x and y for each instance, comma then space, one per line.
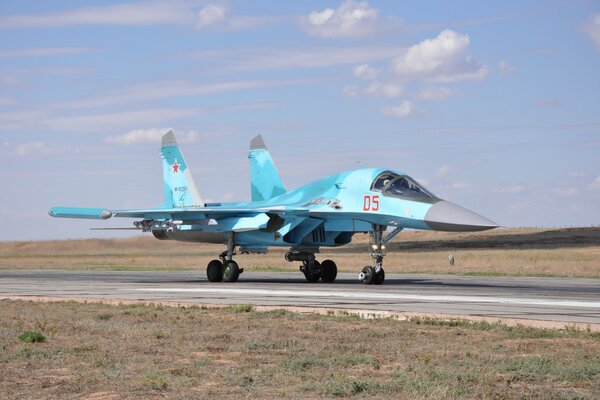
492, 105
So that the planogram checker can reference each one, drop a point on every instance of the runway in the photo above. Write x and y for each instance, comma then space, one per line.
539, 299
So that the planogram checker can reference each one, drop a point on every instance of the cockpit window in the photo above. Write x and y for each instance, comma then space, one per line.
395, 185
405, 186
382, 180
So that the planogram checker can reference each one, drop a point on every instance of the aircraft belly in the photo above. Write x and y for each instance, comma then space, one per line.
347, 225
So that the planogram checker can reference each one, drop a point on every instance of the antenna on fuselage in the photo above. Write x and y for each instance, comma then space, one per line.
361, 164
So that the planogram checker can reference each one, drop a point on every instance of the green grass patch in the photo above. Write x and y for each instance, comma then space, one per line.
32, 337
156, 380
514, 331
280, 312
240, 308
105, 316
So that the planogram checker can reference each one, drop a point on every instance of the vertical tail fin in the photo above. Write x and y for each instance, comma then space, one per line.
179, 187
264, 177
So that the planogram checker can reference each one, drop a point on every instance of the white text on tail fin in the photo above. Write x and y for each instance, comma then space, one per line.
179, 187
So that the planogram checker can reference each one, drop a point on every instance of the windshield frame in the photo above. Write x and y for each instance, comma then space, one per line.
421, 194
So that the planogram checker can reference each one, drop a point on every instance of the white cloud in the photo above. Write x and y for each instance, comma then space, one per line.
241, 22
596, 183
434, 93
506, 67
265, 59
135, 13
45, 52
444, 58
247, 106
403, 110
461, 185
443, 171
10, 80
139, 13
571, 191
350, 91
153, 91
210, 15
151, 135
385, 90
364, 71
116, 121
128, 107
512, 189
33, 149
592, 29
22, 119
350, 20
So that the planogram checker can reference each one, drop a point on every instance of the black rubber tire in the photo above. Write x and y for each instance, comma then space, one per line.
368, 275
328, 271
214, 271
379, 277
231, 271
313, 276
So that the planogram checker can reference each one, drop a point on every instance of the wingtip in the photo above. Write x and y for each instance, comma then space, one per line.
168, 139
258, 143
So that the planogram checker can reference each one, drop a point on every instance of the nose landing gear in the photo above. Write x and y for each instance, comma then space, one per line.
375, 275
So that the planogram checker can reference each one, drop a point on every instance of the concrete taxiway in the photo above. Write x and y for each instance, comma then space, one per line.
539, 299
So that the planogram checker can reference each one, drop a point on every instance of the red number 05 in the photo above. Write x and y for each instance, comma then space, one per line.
371, 203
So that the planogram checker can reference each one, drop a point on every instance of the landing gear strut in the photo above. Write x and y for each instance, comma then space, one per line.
312, 269
225, 269
375, 275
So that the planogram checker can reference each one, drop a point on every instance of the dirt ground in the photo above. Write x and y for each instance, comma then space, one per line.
520, 252
99, 351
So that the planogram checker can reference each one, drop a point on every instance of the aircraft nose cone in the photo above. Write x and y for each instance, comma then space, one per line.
449, 217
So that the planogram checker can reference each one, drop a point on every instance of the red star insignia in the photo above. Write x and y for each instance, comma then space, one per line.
175, 167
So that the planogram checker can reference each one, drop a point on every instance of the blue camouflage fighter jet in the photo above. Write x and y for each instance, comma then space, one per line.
327, 212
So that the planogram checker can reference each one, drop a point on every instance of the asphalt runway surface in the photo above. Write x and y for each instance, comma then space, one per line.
542, 299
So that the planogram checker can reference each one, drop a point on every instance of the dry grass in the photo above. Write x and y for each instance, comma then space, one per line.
520, 252
97, 351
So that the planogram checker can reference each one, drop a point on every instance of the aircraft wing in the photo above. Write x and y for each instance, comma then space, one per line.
197, 212
190, 213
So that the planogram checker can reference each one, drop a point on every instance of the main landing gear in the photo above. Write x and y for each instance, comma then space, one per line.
225, 269
313, 270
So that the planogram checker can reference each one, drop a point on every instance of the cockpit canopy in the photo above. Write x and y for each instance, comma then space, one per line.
403, 186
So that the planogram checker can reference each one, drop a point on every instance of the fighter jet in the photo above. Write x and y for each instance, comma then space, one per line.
325, 213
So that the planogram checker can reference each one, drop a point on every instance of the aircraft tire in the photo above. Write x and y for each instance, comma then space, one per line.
379, 277
231, 271
214, 271
313, 274
367, 275
328, 271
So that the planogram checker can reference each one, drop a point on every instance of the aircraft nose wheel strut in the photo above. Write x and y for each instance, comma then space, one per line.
225, 269
374, 275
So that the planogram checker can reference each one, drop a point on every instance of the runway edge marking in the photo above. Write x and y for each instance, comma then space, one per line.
377, 296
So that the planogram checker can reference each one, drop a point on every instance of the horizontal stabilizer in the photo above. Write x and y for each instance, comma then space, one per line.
76, 212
